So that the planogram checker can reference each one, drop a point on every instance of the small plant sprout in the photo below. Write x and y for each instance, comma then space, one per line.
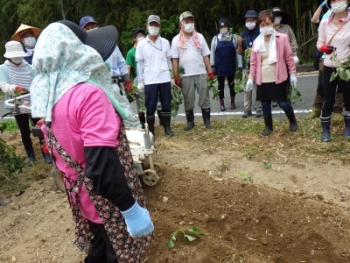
187, 238
266, 165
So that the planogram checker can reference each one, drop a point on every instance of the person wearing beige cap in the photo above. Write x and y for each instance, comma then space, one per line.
153, 57
191, 52
16, 76
27, 35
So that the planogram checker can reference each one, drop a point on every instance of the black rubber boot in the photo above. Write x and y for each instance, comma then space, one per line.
190, 120
159, 113
326, 129
206, 118
346, 133
293, 126
222, 105
150, 122
166, 117
233, 104
142, 119
268, 124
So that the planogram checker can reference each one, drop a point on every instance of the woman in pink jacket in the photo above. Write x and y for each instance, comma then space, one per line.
270, 62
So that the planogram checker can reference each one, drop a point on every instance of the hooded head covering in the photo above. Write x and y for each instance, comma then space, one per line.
61, 61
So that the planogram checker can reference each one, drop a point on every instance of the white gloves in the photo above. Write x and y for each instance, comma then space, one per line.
296, 60
249, 85
141, 87
293, 80
7, 88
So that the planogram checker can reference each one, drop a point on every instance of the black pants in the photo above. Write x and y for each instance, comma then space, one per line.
330, 89
24, 127
100, 250
221, 82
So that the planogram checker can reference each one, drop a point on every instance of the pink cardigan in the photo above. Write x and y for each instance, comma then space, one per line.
284, 57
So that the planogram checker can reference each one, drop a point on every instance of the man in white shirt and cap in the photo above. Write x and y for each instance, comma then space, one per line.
191, 52
153, 57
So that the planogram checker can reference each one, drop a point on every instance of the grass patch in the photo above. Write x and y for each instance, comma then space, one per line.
11, 125
244, 135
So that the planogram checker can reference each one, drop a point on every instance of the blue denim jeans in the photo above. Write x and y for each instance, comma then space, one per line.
284, 105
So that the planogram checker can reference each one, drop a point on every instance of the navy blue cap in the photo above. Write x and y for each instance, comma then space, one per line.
251, 14
86, 20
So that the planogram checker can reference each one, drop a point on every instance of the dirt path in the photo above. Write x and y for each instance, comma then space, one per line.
295, 211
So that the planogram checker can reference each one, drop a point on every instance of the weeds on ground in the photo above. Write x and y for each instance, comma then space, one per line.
236, 134
233, 258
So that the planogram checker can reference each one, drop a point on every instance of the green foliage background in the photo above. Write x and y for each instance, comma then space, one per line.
126, 15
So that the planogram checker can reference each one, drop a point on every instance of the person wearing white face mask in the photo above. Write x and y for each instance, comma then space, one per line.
191, 52
16, 76
334, 35
271, 56
138, 34
245, 43
223, 59
27, 35
153, 57
282, 19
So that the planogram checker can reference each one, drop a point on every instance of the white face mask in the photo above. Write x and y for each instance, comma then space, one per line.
266, 30
250, 25
223, 30
339, 7
278, 20
153, 30
17, 60
29, 42
189, 27
140, 38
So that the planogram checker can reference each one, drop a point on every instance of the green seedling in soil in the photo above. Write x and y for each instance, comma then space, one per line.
187, 238
244, 176
266, 165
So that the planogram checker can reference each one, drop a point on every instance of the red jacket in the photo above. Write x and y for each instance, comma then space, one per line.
284, 60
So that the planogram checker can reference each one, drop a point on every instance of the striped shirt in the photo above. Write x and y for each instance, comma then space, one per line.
20, 76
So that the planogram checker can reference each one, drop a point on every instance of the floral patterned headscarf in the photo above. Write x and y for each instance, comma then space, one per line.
60, 62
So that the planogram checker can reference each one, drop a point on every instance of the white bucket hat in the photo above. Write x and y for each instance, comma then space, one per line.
14, 49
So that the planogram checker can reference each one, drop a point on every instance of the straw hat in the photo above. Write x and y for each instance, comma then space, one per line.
17, 35
14, 49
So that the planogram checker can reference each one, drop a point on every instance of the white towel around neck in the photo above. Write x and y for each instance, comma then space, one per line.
260, 47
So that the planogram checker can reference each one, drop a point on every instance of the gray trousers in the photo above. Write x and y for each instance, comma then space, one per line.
248, 100
189, 85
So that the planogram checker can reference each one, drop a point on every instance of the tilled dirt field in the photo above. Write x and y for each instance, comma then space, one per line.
296, 211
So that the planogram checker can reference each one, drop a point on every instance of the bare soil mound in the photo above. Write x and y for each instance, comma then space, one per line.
295, 211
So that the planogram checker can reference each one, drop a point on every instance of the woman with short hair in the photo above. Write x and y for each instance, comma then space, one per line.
270, 62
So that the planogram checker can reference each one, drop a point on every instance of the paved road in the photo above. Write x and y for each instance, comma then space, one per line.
306, 84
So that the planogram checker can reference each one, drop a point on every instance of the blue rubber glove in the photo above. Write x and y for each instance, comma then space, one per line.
323, 3
138, 221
